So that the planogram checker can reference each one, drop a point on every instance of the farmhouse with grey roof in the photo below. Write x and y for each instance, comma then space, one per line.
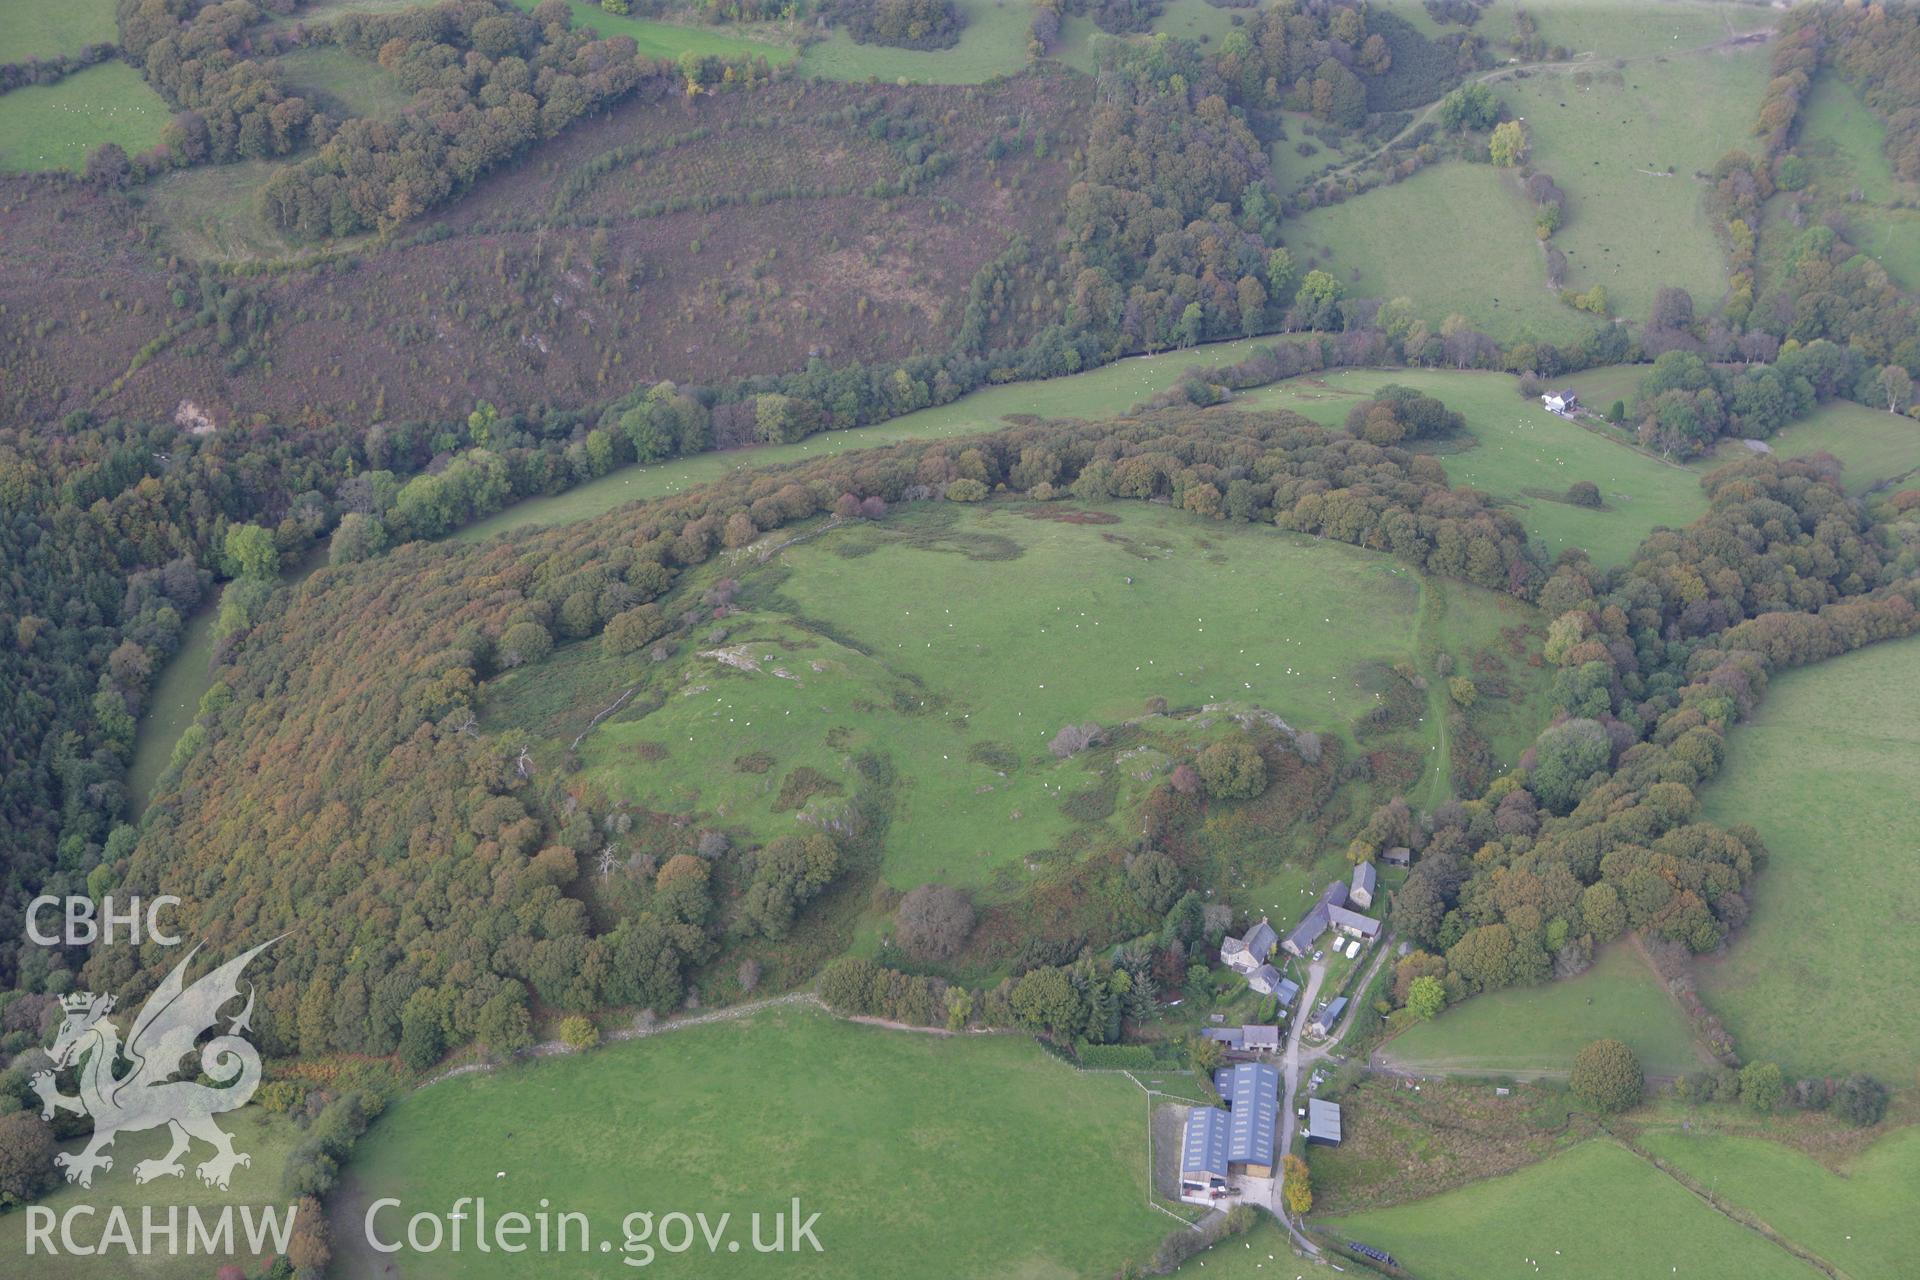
1267, 981
1249, 953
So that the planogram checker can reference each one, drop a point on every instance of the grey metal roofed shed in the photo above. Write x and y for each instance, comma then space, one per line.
1205, 1148
1255, 1095
1323, 1122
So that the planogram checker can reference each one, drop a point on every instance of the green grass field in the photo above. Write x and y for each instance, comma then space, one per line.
267, 1139
1599, 388
924, 612
324, 11
924, 1156
1609, 138
667, 39
993, 43
1098, 393
1817, 980
1524, 455
1636, 28
1455, 237
1873, 445
1861, 1220
1536, 1029
54, 126
29, 29
1595, 1212
1844, 143
171, 705
333, 76
1262, 1254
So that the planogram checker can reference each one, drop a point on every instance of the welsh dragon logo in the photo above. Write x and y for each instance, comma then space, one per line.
146, 1096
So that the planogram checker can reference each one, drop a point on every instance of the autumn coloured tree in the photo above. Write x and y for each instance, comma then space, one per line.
1607, 1075
1296, 1182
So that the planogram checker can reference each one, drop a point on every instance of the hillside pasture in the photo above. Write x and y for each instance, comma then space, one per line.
1817, 980
55, 126
1527, 1031
1873, 446
923, 1155
1639, 29
732, 280
1626, 145
897, 637
1860, 1218
1594, 1212
1524, 455
35, 29
1455, 237
1844, 145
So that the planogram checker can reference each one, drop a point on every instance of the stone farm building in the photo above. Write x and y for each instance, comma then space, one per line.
1252, 1038
1246, 955
1365, 878
1329, 1017
1330, 912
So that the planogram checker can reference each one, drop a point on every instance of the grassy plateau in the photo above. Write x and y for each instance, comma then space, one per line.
923, 613
667, 39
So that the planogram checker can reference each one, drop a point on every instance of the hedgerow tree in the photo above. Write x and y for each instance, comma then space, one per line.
1860, 1099
1762, 1085
1607, 1074
1508, 145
